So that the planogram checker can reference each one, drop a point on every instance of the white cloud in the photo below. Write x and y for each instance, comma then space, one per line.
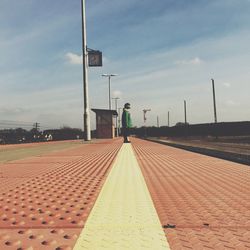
117, 93
105, 59
13, 110
73, 58
226, 84
160, 78
194, 61
231, 103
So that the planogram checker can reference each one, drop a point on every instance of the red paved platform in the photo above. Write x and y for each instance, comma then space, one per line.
44, 201
202, 202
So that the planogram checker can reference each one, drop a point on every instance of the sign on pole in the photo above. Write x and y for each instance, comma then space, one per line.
95, 58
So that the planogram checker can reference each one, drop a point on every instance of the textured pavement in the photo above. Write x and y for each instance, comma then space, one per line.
45, 201
123, 216
202, 202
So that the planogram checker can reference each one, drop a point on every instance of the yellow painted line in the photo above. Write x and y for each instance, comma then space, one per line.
123, 216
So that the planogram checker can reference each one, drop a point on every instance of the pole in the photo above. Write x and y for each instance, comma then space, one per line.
144, 111
109, 92
109, 76
117, 133
168, 118
215, 114
119, 120
116, 120
87, 133
144, 119
158, 125
185, 112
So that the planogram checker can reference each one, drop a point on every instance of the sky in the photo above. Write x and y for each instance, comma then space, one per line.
163, 52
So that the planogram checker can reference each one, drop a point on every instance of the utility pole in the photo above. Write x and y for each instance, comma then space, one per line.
215, 114
110, 105
158, 124
87, 130
36, 126
185, 112
116, 120
109, 77
168, 118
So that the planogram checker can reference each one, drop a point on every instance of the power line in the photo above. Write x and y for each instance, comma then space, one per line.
10, 124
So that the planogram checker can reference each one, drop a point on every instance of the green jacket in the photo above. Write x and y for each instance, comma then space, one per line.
126, 119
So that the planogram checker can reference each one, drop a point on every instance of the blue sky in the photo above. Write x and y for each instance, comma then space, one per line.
163, 51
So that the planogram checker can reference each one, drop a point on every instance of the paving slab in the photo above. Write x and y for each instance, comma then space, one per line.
123, 216
48, 207
202, 202
147, 196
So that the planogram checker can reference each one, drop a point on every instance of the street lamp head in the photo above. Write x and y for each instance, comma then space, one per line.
109, 80
109, 75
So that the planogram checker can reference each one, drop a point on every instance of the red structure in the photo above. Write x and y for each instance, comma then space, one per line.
104, 123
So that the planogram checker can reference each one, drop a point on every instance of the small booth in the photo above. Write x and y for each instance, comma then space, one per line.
105, 123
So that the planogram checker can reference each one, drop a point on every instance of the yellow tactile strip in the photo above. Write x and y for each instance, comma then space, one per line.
123, 216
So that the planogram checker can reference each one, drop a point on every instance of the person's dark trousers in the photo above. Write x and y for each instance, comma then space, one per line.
125, 132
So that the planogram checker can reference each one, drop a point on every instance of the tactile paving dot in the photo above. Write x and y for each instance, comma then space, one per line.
49, 210
38, 238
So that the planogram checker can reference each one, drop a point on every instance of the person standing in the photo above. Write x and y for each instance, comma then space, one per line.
126, 122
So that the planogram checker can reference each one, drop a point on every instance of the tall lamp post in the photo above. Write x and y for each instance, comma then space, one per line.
144, 119
87, 133
109, 77
116, 120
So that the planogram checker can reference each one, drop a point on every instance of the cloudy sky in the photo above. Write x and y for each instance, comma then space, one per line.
164, 52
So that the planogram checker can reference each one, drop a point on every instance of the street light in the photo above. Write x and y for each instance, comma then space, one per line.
109, 76
144, 119
116, 120
87, 133
144, 114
